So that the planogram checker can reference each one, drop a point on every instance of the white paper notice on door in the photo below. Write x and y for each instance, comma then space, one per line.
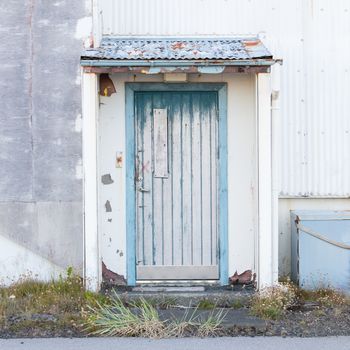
160, 139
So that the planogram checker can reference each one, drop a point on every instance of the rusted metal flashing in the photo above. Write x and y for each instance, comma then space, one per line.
189, 69
107, 87
156, 64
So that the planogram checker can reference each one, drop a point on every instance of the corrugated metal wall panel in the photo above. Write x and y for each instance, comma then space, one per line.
311, 36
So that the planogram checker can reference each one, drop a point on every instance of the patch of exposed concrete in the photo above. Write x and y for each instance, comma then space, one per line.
107, 179
108, 206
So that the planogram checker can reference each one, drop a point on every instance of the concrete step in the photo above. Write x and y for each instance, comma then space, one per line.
168, 289
230, 318
187, 295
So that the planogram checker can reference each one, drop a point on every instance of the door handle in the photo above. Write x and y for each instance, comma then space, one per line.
141, 189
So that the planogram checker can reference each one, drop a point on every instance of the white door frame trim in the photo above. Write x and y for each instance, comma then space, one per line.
267, 240
92, 260
267, 235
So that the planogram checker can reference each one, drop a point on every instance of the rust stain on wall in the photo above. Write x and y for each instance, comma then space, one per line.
246, 277
112, 277
107, 87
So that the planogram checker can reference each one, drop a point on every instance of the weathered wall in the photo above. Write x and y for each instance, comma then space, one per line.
242, 174
315, 77
40, 135
309, 35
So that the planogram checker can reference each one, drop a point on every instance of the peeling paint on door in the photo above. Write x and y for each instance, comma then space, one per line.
177, 228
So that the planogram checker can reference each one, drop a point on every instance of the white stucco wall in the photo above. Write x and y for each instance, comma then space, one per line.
242, 176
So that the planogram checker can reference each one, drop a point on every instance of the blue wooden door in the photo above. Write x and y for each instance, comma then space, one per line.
176, 185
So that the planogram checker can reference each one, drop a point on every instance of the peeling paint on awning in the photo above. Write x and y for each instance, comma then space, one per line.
146, 49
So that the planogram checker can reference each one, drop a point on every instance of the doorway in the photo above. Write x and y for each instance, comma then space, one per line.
179, 182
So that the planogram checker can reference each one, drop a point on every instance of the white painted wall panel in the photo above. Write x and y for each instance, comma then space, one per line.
311, 36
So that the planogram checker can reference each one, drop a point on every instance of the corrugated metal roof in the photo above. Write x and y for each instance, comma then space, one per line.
113, 48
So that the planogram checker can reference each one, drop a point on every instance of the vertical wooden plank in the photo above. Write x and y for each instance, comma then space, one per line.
146, 173
176, 170
139, 101
223, 200
167, 190
157, 194
213, 176
130, 186
160, 139
186, 179
206, 180
196, 180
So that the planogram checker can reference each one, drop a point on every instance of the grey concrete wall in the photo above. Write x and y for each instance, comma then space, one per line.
40, 134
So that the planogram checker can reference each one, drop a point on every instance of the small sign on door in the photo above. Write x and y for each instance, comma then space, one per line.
160, 137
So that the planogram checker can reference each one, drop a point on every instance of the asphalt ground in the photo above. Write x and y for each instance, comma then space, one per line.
238, 343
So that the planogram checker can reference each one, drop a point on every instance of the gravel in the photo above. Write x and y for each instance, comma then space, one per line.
311, 320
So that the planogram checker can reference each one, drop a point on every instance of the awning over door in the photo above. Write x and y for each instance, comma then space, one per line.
210, 56
164, 55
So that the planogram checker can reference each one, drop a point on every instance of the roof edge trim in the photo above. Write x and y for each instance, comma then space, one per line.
176, 63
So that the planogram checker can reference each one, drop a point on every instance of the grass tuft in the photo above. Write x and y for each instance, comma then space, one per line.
141, 319
212, 324
31, 302
325, 297
237, 304
206, 304
188, 323
272, 302
116, 319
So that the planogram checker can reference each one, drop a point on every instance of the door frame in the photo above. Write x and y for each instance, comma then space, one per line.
130, 131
